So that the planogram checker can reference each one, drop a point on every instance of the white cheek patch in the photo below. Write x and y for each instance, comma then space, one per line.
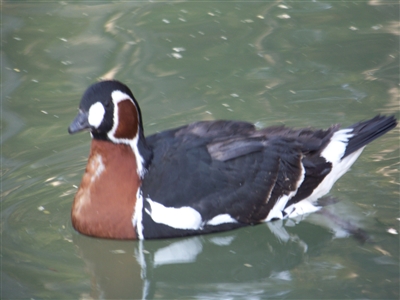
96, 114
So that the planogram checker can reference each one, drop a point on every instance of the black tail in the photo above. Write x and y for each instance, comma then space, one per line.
367, 131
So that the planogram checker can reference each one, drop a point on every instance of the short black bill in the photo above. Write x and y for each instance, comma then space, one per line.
79, 123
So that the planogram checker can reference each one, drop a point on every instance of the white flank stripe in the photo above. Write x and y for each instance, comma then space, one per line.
221, 219
180, 218
338, 169
276, 211
334, 151
138, 215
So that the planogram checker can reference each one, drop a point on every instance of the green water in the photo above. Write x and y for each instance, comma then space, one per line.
300, 63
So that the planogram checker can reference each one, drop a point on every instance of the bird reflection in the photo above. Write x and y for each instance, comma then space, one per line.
254, 261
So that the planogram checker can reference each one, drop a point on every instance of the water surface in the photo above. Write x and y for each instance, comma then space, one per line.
299, 63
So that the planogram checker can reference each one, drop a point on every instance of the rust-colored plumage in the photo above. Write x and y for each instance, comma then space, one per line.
105, 201
129, 127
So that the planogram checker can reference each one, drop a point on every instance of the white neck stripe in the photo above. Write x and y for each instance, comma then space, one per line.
118, 96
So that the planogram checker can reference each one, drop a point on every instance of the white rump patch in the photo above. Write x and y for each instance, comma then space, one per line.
221, 219
183, 217
96, 114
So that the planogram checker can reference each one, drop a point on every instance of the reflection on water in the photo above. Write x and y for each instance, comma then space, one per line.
235, 264
258, 262
299, 63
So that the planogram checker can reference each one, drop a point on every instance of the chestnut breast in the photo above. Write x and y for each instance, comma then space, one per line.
105, 201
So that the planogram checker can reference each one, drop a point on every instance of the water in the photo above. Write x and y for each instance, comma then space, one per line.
308, 63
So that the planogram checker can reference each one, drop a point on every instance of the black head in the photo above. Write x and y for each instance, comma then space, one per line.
109, 111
